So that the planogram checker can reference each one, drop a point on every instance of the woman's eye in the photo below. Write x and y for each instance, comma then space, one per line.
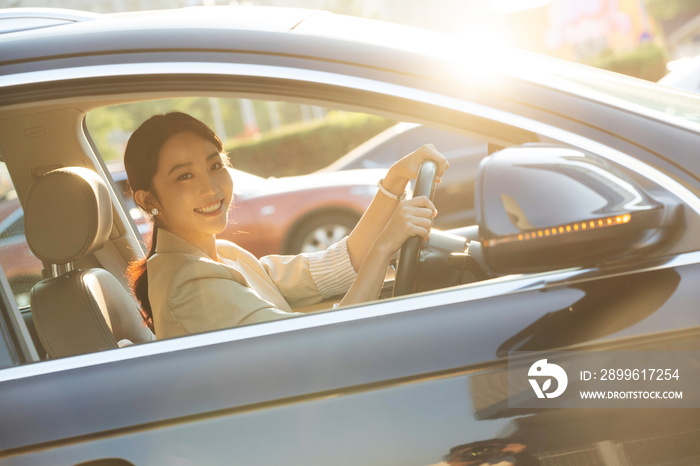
184, 176
217, 166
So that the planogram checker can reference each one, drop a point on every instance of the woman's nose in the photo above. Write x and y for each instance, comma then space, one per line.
209, 185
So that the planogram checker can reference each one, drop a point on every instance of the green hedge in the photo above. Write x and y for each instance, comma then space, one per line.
303, 148
664, 10
645, 62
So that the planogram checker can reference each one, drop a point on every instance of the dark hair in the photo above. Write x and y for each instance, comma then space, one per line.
141, 164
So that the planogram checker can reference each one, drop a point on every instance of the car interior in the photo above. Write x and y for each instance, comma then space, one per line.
78, 224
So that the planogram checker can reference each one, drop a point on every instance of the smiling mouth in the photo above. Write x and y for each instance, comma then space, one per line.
210, 208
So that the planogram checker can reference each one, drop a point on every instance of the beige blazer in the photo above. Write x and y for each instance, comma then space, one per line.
191, 293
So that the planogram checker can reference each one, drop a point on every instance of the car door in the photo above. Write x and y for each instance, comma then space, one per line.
398, 382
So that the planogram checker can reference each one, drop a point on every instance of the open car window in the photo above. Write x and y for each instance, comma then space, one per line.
294, 192
303, 176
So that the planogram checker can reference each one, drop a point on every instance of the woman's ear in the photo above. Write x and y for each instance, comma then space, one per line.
144, 200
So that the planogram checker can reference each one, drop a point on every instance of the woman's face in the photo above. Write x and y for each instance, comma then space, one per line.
193, 187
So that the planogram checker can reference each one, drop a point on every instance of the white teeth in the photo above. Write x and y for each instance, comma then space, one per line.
206, 210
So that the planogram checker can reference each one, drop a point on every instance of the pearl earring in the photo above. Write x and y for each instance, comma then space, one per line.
154, 211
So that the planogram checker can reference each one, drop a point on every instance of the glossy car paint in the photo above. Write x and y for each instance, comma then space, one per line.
397, 381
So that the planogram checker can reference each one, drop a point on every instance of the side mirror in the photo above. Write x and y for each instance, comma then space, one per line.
542, 207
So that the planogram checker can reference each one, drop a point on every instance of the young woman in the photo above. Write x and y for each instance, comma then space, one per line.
192, 282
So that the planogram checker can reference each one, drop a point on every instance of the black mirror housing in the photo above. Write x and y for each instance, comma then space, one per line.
542, 207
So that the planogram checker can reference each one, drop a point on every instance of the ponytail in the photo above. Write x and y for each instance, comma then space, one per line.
138, 281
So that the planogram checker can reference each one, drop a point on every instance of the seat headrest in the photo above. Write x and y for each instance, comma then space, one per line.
67, 214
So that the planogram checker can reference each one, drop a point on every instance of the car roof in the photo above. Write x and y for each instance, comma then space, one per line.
112, 31
23, 19
244, 29
214, 28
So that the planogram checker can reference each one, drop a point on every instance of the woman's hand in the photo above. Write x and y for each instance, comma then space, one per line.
413, 217
407, 168
384, 209
385, 227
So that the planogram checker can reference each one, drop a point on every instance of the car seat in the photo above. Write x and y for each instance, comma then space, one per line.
68, 215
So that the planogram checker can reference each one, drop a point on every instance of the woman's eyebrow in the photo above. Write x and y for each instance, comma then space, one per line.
179, 165
186, 164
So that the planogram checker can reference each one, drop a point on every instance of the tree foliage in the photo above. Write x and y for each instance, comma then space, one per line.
645, 62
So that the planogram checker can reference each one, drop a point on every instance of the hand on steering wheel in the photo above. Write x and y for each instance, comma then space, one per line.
407, 269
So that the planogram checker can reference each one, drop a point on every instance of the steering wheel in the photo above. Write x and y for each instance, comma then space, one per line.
409, 258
